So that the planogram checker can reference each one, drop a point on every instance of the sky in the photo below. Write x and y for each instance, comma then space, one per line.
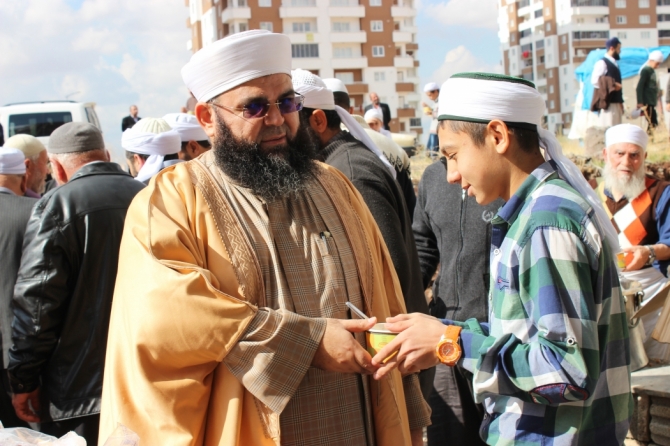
123, 52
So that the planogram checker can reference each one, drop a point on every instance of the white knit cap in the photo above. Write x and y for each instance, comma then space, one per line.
187, 126
430, 86
12, 161
28, 144
318, 96
153, 137
334, 84
656, 56
626, 133
483, 97
234, 60
374, 113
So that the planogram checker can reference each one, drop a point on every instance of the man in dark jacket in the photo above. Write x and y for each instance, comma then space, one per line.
15, 210
129, 121
453, 231
380, 191
63, 294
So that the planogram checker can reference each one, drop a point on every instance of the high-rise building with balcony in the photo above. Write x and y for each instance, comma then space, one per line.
369, 44
546, 40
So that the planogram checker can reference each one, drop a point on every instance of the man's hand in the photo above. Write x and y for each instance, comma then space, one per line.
27, 405
417, 437
340, 352
638, 255
641, 106
418, 336
617, 86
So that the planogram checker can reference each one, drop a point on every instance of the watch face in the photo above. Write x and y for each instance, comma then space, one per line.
450, 351
447, 349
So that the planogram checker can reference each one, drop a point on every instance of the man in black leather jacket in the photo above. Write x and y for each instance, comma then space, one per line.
63, 295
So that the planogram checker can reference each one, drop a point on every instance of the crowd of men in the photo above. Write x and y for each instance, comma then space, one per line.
201, 297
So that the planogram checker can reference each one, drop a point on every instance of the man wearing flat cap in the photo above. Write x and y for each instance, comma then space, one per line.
15, 209
63, 293
229, 322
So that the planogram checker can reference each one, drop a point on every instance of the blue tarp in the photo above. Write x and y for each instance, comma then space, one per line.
630, 63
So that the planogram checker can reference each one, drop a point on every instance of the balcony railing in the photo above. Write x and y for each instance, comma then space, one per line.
662, 2
579, 3
343, 3
585, 35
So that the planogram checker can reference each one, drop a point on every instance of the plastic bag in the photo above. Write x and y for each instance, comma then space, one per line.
19, 436
122, 436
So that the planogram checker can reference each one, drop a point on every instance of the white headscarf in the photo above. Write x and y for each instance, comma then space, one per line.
12, 161
318, 96
374, 113
483, 97
626, 133
656, 56
153, 138
430, 86
234, 60
187, 126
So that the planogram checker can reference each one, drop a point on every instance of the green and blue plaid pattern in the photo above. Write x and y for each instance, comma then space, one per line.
552, 365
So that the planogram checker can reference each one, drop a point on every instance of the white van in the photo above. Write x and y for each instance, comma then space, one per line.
41, 118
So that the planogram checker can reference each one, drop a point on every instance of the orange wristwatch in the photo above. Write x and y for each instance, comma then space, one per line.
448, 350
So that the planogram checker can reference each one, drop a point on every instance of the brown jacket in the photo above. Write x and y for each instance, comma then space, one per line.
600, 94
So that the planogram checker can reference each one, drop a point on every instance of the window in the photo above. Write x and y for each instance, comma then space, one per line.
378, 51
551, 74
664, 17
342, 52
620, 4
552, 104
539, 44
549, 42
645, 20
567, 102
563, 39
302, 27
37, 124
375, 2
622, 35
580, 35
511, 24
643, 3
603, 19
564, 55
300, 50
401, 76
346, 77
243, 27
662, 33
377, 25
380, 76
513, 67
538, 13
645, 35
621, 19
565, 70
551, 88
513, 51
341, 27
547, 11
265, 3
266, 26
513, 38
547, 27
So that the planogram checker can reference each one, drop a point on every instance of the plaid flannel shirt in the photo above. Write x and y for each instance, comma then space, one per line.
552, 365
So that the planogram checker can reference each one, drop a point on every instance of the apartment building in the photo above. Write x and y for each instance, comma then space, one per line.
546, 40
369, 44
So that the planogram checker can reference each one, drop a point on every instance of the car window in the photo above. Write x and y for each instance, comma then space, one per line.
92, 117
37, 124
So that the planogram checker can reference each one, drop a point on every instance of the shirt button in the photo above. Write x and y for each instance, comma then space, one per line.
496, 252
571, 341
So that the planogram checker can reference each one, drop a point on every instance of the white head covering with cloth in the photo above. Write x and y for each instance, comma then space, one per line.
153, 137
483, 97
656, 56
235, 60
12, 161
626, 133
318, 96
187, 126
334, 84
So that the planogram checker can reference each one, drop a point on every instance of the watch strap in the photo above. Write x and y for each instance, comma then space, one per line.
652, 255
452, 332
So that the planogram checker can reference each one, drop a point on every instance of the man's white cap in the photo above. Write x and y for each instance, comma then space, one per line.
626, 133
153, 137
334, 84
187, 126
28, 144
656, 56
430, 86
12, 161
234, 60
374, 113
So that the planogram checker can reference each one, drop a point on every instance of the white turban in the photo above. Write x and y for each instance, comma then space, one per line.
626, 133
430, 86
187, 126
234, 60
151, 139
334, 84
656, 56
318, 96
483, 97
12, 161
374, 113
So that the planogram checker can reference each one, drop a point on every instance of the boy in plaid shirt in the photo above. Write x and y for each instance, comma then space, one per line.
552, 365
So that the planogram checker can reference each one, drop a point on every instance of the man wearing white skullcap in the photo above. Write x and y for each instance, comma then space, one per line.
639, 205
648, 89
557, 338
229, 325
37, 162
194, 140
432, 90
15, 210
151, 145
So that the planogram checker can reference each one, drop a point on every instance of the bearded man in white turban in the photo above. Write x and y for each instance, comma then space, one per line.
551, 366
151, 145
229, 323
638, 205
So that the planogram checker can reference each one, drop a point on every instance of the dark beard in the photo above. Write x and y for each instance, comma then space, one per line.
283, 171
616, 56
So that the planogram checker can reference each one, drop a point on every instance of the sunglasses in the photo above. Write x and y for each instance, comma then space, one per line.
260, 108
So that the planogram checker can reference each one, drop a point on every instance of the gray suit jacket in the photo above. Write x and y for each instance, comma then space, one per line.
15, 213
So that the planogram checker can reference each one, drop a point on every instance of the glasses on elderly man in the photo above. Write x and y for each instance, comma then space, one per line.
260, 108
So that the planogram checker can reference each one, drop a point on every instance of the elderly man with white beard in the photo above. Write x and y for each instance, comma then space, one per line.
638, 205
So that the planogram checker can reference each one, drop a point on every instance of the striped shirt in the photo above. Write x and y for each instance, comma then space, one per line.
552, 364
